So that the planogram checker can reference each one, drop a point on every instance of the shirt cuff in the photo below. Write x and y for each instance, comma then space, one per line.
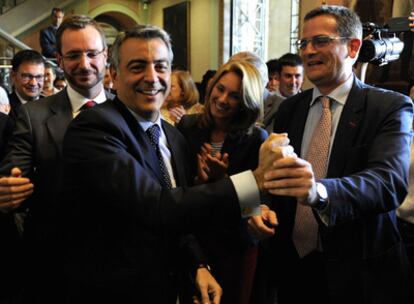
247, 193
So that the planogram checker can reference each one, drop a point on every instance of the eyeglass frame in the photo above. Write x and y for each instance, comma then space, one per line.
27, 77
314, 42
76, 56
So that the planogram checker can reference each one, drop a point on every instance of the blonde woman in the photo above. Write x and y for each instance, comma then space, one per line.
225, 140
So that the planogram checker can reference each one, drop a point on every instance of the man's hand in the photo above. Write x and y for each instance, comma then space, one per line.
292, 176
14, 190
262, 226
210, 290
275, 147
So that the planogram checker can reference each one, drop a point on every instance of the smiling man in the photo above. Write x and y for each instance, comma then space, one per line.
339, 241
35, 149
128, 201
28, 68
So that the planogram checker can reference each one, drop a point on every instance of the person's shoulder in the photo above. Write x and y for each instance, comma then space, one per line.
189, 121
259, 133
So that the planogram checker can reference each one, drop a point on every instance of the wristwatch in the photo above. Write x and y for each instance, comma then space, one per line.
204, 265
322, 197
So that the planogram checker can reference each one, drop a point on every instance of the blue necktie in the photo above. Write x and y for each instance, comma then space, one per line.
154, 134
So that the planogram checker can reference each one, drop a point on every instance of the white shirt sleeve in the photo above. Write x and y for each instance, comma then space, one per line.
247, 193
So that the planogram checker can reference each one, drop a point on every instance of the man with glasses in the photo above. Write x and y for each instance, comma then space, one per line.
27, 75
34, 154
338, 238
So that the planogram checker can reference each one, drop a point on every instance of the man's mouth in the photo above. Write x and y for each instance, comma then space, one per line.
151, 92
313, 63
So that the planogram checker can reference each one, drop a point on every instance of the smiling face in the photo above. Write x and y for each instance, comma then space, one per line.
28, 80
176, 92
143, 76
83, 60
290, 80
225, 97
328, 66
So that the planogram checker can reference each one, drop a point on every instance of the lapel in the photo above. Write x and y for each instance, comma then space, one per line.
348, 127
58, 122
177, 155
143, 150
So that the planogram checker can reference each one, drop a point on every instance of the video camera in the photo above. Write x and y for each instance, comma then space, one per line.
384, 46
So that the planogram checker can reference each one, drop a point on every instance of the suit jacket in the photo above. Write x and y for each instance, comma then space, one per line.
10, 238
36, 148
271, 105
48, 41
122, 227
15, 104
367, 179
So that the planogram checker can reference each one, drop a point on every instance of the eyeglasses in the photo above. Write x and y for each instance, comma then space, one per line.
318, 42
76, 56
26, 77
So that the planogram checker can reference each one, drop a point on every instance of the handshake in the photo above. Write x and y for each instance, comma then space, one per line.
280, 172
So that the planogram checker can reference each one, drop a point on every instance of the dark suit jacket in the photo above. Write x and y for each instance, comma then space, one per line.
122, 227
15, 104
48, 41
366, 181
36, 148
9, 236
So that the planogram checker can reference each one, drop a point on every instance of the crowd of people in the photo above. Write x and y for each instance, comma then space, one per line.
133, 184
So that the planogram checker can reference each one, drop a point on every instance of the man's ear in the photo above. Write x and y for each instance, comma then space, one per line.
354, 45
114, 74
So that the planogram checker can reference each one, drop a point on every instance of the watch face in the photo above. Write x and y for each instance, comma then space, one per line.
322, 193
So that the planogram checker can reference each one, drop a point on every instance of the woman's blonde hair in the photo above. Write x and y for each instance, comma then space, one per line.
190, 93
251, 103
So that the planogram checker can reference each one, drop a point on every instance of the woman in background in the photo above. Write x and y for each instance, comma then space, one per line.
224, 140
183, 98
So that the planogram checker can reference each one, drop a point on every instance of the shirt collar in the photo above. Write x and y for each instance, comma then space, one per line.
340, 94
144, 123
77, 100
22, 100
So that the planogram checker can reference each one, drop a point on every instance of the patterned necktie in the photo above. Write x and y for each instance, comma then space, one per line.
154, 134
305, 232
87, 105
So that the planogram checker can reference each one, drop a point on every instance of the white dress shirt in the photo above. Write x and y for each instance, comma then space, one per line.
77, 100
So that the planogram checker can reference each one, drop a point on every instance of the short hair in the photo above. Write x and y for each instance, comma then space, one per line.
48, 65
56, 10
77, 22
272, 66
188, 87
251, 103
24, 56
289, 59
348, 23
252, 58
146, 32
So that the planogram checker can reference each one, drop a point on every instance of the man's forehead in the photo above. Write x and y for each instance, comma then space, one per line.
28, 65
145, 49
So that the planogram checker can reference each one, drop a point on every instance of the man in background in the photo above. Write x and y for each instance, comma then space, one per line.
48, 35
27, 75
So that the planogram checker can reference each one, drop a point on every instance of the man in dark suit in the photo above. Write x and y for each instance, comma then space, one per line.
48, 35
350, 250
127, 196
36, 150
27, 75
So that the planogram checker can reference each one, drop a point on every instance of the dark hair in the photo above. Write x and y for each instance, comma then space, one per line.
348, 23
289, 59
202, 87
23, 56
77, 22
56, 10
272, 66
146, 32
